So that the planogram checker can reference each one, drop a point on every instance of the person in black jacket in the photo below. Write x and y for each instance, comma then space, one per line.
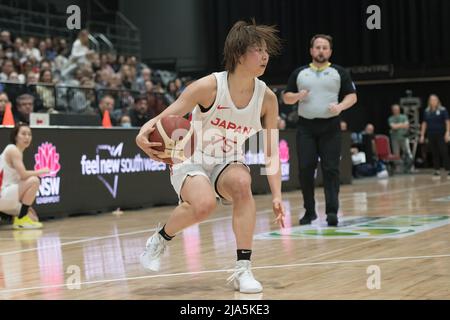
436, 125
139, 114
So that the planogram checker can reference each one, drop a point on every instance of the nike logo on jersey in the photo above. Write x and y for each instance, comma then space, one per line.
219, 107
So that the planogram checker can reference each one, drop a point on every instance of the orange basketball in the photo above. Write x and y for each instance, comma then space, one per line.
177, 138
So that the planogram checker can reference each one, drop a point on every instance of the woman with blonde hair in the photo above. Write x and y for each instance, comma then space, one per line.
436, 125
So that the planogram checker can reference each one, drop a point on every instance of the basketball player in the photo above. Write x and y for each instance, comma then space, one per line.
18, 186
229, 105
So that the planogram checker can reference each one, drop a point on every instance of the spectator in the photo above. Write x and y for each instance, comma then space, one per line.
104, 63
7, 69
146, 75
80, 48
3, 101
131, 61
115, 62
344, 126
115, 82
5, 39
172, 91
31, 51
125, 121
24, 107
139, 114
19, 51
45, 65
46, 92
368, 143
60, 60
42, 47
15, 78
83, 98
103, 79
32, 78
26, 67
149, 86
80, 55
107, 104
436, 125
180, 86
399, 125
50, 52
128, 75
156, 104
95, 62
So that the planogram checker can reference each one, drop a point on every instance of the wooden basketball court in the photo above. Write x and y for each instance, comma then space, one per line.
393, 243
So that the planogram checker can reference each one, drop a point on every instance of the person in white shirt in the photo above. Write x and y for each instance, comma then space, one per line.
19, 186
234, 104
80, 48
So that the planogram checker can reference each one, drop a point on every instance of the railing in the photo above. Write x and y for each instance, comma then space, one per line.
122, 34
81, 100
68, 99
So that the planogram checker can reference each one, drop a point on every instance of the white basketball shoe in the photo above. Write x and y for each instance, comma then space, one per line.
154, 249
243, 279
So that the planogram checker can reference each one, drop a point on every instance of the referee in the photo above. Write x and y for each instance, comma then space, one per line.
317, 89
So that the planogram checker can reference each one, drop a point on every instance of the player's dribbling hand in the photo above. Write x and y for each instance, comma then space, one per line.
278, 210
147, 146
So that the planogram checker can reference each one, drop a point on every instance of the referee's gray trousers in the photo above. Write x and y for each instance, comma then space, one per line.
319, 138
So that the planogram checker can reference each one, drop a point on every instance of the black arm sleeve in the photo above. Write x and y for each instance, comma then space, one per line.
292, 82
347, 85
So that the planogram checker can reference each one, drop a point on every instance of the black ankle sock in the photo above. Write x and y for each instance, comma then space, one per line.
163, 233
23, 211
244, 254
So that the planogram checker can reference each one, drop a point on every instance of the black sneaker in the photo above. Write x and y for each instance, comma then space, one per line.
332, 220
307, 218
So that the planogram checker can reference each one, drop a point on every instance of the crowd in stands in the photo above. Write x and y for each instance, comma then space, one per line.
50, 75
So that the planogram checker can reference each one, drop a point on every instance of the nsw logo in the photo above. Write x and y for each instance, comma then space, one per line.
48, 157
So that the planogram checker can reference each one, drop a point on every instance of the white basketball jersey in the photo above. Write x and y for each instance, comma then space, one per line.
224, 126
8, 175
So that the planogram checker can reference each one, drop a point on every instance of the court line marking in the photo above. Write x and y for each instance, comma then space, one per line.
207, 221
294, 265
210, 220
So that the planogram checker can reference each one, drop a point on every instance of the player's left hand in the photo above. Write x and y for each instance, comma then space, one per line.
278, 210
335, 108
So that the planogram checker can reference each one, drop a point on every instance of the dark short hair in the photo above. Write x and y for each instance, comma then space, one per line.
15, 131
140, 97
24, 96
107, 96
245, 34
322, 36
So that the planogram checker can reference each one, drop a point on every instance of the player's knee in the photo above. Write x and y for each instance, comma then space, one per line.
203, 208
241, 188
34, 182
